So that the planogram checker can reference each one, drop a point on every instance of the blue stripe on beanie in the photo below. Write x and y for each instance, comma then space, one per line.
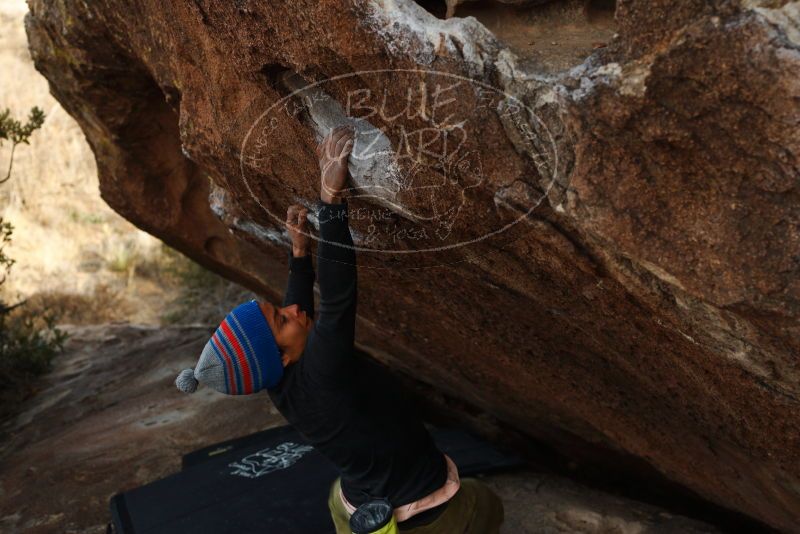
249, 351
258, 335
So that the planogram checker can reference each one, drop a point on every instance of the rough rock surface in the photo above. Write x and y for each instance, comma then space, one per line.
645, 302
108, 419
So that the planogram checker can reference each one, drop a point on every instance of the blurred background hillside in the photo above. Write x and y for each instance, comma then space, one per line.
73, 254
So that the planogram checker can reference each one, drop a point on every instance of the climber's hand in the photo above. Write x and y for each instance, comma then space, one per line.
333, 152
297, 226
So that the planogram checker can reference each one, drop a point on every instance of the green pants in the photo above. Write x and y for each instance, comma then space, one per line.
474, 509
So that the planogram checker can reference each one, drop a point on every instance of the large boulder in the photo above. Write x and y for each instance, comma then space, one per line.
584, 221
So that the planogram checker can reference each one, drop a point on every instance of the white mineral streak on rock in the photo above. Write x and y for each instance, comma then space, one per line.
634, 79
546, 96
661, 274
263, 233
410, 31
610, 70
219, 202
607, 74
374, 172
629, 79
732, 334
216, 201
787, 18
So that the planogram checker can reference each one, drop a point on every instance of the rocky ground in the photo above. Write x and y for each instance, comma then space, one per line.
108, 418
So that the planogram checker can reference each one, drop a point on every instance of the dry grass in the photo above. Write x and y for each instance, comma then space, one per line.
73, 253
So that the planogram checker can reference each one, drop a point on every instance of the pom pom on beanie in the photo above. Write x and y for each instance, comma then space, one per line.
186, 381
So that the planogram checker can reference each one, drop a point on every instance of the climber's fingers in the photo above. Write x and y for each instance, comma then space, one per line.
302, 218
344, 152
330, 147
322, 147
292, 211
344, 143
336, 146
336, 138
296, 217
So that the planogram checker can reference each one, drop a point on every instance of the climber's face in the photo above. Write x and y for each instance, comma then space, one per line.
290, 326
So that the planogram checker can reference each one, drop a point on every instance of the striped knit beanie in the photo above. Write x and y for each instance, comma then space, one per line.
240, 358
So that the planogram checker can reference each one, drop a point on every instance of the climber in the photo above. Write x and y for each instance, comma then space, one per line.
309, 369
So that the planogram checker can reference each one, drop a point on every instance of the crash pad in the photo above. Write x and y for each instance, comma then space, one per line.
272, 481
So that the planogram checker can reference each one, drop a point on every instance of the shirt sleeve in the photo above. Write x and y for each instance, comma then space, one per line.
331, 344
300, 286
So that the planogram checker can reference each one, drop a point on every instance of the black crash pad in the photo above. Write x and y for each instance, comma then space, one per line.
268, 482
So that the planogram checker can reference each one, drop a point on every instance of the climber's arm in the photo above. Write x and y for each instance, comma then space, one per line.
336, 261
300, 286
334, 333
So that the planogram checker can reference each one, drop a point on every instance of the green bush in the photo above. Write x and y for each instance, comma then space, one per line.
28, 344
28, 340
18, 133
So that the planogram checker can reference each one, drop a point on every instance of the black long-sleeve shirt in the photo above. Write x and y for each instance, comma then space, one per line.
380, 448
